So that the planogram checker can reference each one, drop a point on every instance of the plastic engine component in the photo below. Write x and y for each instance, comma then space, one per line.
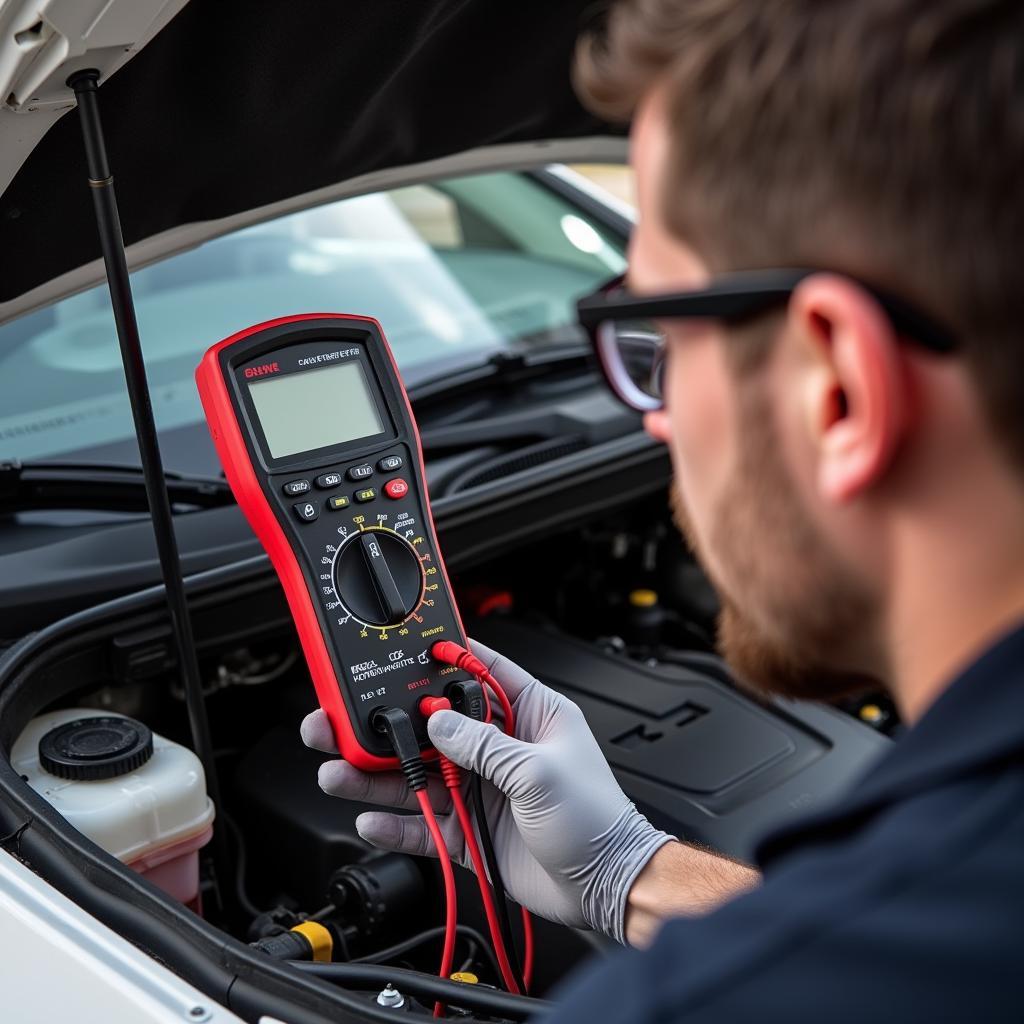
147, 805
697, 755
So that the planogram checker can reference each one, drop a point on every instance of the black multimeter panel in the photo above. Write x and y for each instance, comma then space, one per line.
336, 454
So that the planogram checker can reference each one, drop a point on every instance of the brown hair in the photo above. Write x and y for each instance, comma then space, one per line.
883, 138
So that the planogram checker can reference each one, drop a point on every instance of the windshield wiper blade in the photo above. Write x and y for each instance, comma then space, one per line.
509, 366
46, 486
517, 424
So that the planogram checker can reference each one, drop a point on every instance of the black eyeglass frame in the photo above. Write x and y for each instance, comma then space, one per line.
731, 298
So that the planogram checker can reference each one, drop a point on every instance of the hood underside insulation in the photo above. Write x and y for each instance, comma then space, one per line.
235, 105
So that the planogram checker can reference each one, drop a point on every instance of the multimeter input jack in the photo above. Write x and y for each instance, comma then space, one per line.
397, 726
377, 723
467, 697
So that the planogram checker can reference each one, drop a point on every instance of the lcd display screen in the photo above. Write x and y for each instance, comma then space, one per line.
315, 408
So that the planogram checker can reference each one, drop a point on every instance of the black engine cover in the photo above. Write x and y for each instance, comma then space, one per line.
701, 759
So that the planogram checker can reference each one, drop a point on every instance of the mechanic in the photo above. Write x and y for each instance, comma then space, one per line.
856, 497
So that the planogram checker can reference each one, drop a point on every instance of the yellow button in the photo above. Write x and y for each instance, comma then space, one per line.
466, 977
643, 598
338, 501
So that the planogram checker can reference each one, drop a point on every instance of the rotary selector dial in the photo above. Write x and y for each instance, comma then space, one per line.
378, 577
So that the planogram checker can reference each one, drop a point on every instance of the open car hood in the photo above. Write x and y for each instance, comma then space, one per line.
236, 111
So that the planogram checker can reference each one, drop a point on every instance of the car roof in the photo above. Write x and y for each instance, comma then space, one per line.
233, 107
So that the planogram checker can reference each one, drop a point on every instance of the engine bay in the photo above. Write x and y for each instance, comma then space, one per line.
613, 612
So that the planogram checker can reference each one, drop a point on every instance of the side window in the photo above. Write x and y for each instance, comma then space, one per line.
514, 214
614, 178
445, 221
432, 214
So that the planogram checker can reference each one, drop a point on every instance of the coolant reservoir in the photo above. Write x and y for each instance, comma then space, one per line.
139, 796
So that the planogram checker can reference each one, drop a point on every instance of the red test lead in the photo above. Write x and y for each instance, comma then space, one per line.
452, 775
451, 653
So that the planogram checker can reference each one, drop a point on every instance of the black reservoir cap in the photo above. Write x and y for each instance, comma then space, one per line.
102, 747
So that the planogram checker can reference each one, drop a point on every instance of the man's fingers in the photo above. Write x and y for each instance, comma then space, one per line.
408, 833
481, 748
316, 732
513, 679
339, 778
402, 833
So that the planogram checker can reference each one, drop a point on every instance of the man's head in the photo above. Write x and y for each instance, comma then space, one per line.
816, 453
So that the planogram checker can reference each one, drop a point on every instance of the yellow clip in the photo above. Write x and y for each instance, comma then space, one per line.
319, 939
466, 977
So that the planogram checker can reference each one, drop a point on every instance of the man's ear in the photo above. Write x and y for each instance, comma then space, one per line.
658, 426
856, 393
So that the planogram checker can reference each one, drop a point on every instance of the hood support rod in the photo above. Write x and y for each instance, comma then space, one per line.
108, 221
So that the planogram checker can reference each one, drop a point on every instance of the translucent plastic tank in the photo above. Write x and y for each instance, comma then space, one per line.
139, 796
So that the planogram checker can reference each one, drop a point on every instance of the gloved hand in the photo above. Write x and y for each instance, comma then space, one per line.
569, 841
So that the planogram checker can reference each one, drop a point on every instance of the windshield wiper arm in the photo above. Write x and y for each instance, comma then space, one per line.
35, 486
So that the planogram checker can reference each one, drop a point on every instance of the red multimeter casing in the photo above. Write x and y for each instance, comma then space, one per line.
319, 445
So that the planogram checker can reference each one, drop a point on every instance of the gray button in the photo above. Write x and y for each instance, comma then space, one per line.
363, 472
307, 511
325, 481
390, 463
294, 487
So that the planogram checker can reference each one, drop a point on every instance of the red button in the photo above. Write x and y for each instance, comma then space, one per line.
396, 488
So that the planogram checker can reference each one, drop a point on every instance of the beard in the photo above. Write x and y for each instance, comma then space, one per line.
792, 621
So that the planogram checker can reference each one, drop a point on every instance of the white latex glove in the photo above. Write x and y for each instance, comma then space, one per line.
568, 840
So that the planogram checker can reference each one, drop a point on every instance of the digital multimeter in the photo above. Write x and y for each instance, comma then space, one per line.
318, 443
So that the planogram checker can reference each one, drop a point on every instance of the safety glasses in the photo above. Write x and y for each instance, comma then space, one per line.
632, 348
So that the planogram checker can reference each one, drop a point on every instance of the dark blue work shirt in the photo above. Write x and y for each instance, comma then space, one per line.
905, 902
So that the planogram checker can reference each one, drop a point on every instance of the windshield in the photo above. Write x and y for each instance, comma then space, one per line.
454, 270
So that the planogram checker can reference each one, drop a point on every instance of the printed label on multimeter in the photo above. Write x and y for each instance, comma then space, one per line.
319, 445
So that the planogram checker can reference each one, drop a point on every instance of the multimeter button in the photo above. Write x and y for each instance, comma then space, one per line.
307, 511
327, 480
363, 472
337, 501
390, 463
396, 488
294, 487
366, 494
